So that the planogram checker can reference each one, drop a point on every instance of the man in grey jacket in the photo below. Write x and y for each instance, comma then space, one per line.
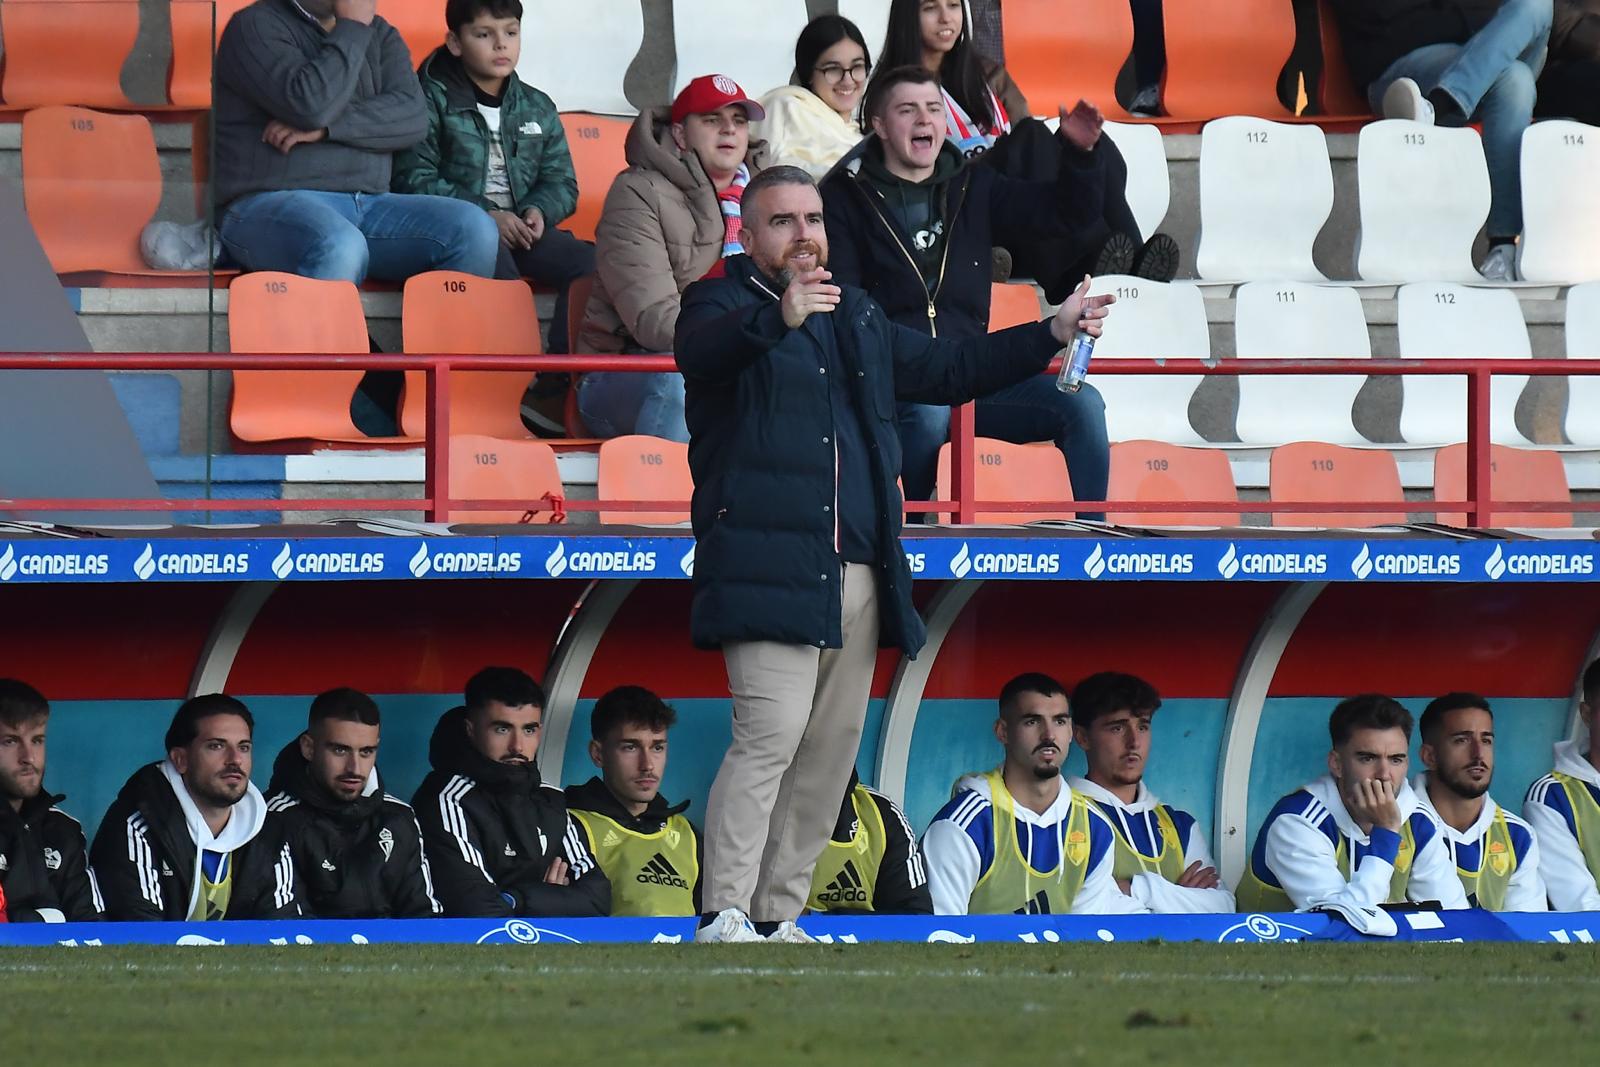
313, 98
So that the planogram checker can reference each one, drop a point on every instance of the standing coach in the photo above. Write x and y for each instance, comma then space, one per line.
791, 387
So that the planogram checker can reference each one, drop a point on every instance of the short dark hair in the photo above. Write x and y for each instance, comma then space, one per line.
1433, 715
879, 88
821, 34
21, 703
1108, 692
343, 705
457, 13
186, 723
503, 685
630, 705
1369, 711
1031, 682
1591, 684
773, 176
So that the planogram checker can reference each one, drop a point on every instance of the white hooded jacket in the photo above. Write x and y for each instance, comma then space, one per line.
1526, 889
1150, 888
1567, 878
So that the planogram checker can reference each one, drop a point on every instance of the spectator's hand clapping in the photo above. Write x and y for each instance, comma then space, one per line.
514, 233
535, 220
1080, 312
361, 11
807, 293
282, 136
1081, 126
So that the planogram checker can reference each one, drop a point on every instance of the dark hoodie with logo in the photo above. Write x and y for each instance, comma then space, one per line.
44, 864
357, 859
492, 830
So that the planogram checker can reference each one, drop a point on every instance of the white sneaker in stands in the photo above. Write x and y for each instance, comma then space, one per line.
731, 925
789, 933
1404, 100
1500, 265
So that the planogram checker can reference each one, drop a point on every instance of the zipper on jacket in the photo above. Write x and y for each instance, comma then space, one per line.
944, 257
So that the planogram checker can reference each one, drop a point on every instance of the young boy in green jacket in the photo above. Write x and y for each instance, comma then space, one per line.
498, 142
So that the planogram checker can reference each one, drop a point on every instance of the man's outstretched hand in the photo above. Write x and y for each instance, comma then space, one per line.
808, 293
1081, 312
1081, 126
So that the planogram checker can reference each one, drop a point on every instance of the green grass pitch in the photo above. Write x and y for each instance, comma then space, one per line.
852, 1005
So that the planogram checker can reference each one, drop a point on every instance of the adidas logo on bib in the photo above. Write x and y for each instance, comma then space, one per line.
848, 888
660, 872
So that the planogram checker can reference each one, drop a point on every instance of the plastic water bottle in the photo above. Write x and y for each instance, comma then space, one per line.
1075, 364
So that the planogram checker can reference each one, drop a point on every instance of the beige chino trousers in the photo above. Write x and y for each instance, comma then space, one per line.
798, 713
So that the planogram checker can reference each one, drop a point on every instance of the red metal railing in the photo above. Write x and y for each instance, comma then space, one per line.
438, 502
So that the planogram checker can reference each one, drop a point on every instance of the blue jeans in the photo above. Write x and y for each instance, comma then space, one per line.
1491, 78
1032, 410
351, 236
617, 403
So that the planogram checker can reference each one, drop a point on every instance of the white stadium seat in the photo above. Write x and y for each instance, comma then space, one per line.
1446, 321
1560, 212
1424, 193
1296, 320
1149, 187
751, 43
1583, 342
872, 19
578, 53
1151, 320
1266, 189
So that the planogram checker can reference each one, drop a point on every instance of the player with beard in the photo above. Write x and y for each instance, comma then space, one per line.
1018, 839
799, 573
1162, 857
1496, 854
499, 839
44, 867
189, 837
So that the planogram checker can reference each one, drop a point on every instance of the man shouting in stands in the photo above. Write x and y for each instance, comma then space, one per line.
791, 389
190, 837
500, 840
358, 850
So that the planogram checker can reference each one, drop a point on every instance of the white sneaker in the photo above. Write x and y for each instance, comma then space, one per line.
1404, 100
789, 933
1500, 265
730, 926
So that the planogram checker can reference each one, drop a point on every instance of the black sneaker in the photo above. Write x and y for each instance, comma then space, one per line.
1157, 260
1116, 255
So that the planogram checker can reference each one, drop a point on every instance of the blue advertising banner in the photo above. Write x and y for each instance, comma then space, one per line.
1045, 556
1474, 925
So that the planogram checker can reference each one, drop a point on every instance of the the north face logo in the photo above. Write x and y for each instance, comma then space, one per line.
660, 872
848, 888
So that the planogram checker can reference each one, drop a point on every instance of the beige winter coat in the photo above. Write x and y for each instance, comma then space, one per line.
660, 230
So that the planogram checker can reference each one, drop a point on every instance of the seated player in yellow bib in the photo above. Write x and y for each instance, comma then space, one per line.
647, 849
1496, 854
1563, 808
1018, 840
1162, 859
872, 863
1356, 837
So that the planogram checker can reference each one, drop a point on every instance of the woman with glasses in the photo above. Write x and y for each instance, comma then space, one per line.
812, 122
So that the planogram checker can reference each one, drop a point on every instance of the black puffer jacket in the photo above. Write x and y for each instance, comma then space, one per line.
1375, 33
761, 448
360, 859
44, 864
492, 830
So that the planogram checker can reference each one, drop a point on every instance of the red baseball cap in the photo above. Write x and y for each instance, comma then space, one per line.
713, 92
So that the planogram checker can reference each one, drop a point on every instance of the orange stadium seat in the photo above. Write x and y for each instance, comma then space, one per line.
1012, 305
193, 46
638, 467
269, 311
1313, 472
1225, 58
421, 24
1517, 474
448, 312
596, 143
91, 181
1060, 57
66, 53
1007, 472
1156, 471
490, 468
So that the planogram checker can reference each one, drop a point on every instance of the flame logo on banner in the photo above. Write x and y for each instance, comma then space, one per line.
686, 564
145, 565
1496, 564
8, 564
1095, 565
961, 566
1361, 566
420, 563
283, 562
555, 564
1228, 565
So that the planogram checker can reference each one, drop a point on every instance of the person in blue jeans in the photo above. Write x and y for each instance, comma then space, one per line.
312, 100
1453, 62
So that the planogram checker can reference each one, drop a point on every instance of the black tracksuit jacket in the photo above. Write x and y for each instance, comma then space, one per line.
44, 863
